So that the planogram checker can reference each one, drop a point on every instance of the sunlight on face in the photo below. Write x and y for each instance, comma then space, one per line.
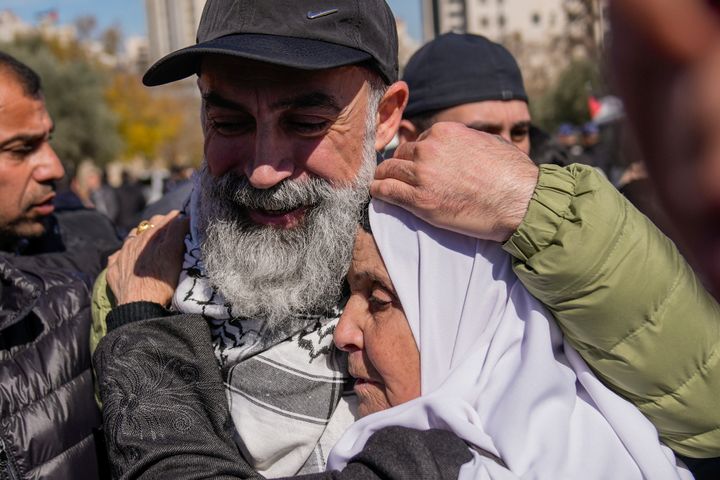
28, 164
509, 119
382, 353
272, 123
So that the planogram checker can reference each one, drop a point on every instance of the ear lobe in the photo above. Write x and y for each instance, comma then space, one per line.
408, 131
390, 113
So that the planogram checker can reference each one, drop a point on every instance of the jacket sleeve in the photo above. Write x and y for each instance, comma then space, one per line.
166, 416
102, 302
164, 408
627, 301
398, 453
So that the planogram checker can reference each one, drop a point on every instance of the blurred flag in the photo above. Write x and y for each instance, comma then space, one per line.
594, 106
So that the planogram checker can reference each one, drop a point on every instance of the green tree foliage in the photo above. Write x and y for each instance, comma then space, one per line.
567, 101
85, 127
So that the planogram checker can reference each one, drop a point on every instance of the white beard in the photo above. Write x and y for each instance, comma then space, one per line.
278, 274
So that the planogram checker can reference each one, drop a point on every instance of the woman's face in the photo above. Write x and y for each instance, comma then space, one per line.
373, 330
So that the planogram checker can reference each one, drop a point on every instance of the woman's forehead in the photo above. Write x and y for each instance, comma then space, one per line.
367, 263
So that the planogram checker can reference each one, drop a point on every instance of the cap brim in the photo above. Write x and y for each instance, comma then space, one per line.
301, 53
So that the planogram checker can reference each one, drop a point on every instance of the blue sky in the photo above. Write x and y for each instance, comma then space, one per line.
130, 14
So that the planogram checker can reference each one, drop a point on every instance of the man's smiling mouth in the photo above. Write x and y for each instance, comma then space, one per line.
285, 218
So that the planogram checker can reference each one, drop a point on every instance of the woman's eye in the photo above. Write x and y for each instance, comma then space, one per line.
380, 298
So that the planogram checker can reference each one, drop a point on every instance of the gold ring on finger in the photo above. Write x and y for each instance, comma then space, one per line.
144, 225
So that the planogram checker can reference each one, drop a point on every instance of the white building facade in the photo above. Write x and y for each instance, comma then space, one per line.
172, 24
532, 20
535, 31
11, 25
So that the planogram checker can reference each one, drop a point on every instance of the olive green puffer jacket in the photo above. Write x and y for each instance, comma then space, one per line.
627, 301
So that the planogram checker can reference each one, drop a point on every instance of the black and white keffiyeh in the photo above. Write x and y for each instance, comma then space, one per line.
285, 391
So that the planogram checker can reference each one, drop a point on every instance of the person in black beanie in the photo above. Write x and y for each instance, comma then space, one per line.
469, 79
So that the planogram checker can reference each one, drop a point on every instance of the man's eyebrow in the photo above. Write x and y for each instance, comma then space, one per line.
483, 126
22, 138
309, 100
216, 100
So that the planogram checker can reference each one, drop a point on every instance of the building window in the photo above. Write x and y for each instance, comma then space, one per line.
484, 22
501, 21
536, 18
500, 2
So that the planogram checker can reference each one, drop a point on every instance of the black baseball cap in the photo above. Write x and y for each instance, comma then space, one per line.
303, 34
455, 69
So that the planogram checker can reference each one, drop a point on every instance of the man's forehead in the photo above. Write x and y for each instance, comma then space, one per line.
219, 70
21, 114
490, 112
10, 89
280, 88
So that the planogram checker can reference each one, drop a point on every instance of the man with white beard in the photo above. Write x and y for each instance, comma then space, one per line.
296, 101
274, 273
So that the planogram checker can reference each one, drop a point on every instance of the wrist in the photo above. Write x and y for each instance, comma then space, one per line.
162, 300
153, 292
514, 212
549, 207
134, 312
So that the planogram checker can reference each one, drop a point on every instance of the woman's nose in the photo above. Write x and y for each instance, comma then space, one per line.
348, 335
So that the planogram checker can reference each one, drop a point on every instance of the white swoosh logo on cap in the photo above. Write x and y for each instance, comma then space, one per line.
313, 15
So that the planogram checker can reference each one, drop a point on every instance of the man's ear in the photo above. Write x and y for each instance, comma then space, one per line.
390, 113
408, 131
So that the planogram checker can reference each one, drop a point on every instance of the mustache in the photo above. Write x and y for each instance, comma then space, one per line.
288, 194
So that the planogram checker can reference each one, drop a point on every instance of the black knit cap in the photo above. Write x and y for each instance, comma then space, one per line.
455, 69
303, 34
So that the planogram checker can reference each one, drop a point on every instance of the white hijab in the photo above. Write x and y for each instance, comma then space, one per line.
496, 371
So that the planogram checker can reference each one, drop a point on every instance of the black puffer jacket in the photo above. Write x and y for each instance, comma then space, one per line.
48, 417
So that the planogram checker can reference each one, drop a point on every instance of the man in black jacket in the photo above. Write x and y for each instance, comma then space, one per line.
48, 261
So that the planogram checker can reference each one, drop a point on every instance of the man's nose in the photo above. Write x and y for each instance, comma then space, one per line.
348, 336
272, 161
48, 167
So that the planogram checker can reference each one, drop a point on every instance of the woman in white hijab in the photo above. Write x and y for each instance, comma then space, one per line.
447, 337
